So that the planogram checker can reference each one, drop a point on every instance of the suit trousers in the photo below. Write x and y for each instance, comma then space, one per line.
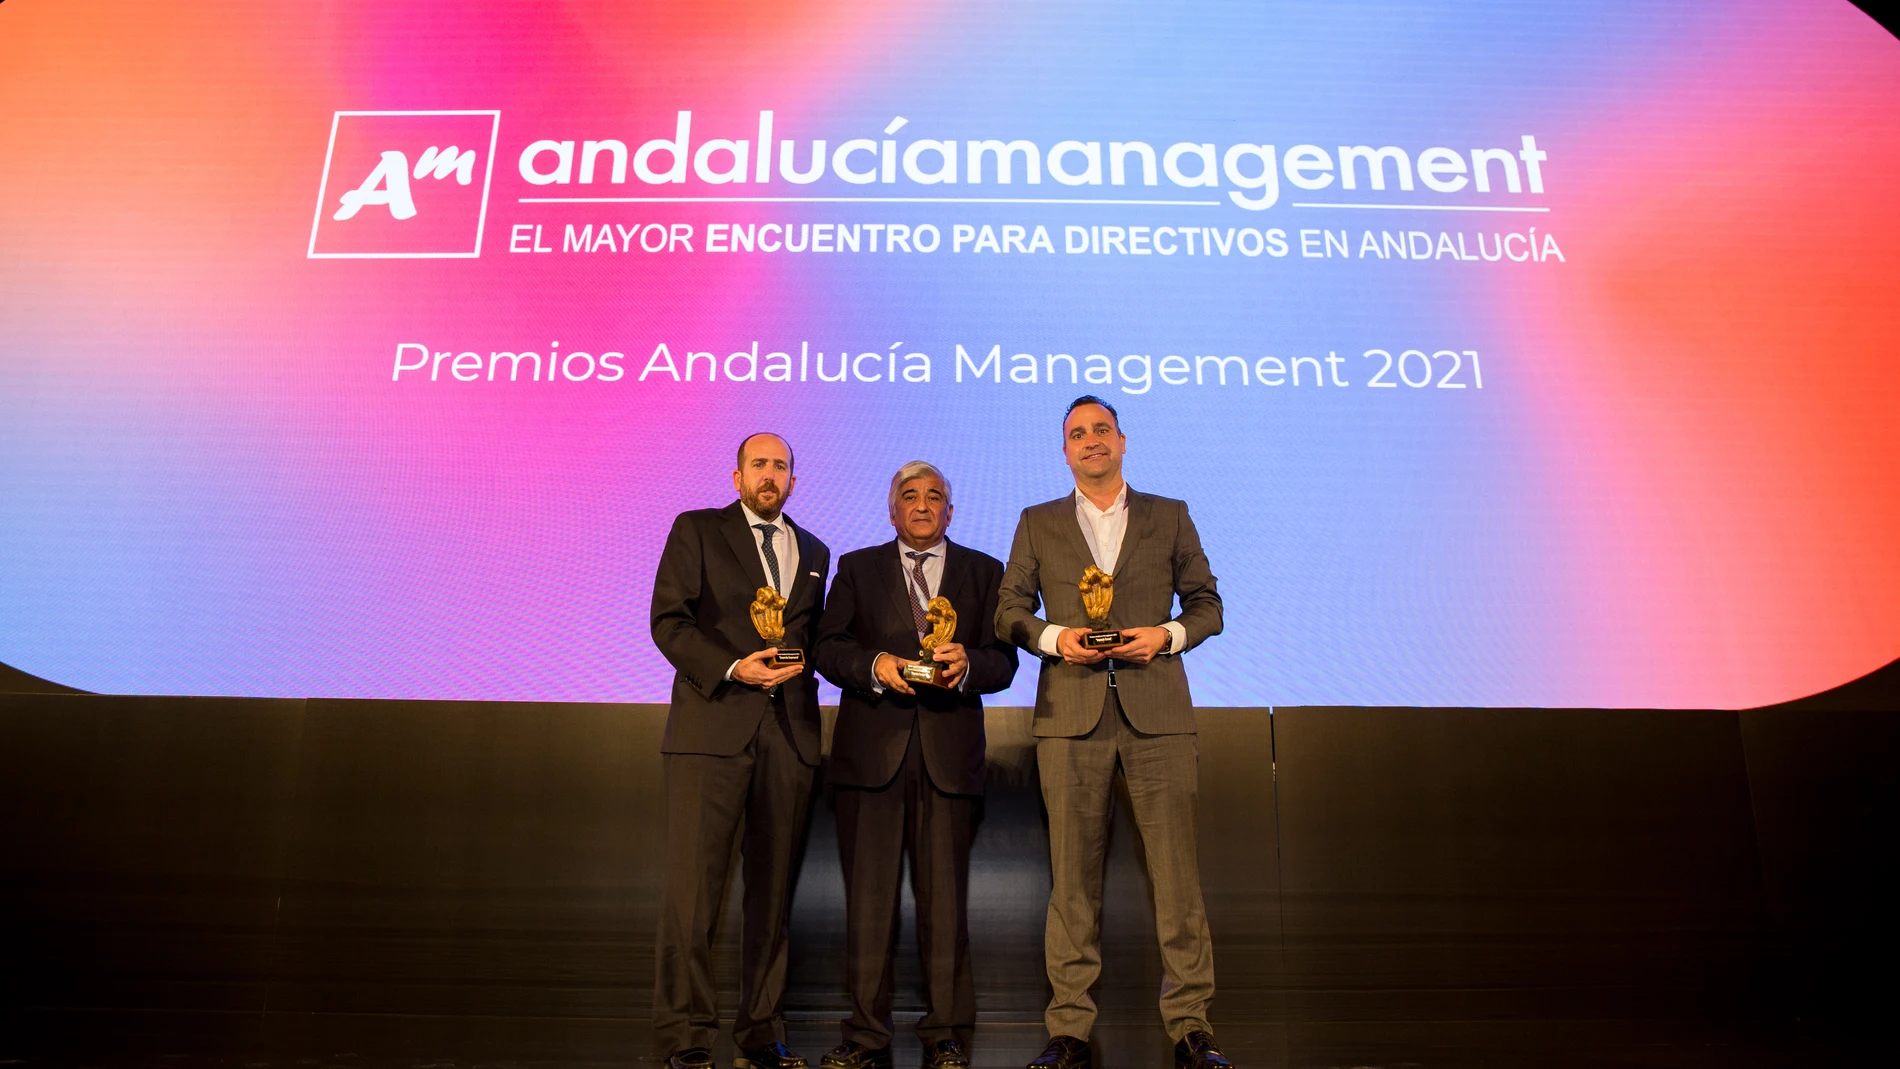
877, 828
766, 788
1163, 775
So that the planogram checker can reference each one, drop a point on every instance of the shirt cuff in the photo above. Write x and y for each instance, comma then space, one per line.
1047, 643
730, 667
877, 685
1173, 627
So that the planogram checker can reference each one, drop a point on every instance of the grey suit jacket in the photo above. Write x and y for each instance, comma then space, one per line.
1161, 559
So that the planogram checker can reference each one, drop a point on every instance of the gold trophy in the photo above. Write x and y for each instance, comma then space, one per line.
943, 623
768, 617
1098, 592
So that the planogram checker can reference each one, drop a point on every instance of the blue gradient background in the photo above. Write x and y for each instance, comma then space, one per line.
208, 483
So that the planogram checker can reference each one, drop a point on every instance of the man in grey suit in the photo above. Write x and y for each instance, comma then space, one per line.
1125, 706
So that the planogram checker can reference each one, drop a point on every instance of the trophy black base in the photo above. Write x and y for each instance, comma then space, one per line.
788, 656
1101, 640
927, 672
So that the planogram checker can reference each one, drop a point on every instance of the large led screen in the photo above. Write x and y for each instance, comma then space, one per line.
1510, 354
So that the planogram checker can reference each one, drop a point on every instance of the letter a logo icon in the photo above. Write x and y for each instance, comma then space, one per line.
405, 184
387, 185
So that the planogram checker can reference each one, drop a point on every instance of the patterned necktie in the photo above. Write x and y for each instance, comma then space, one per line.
918, 615
766, 531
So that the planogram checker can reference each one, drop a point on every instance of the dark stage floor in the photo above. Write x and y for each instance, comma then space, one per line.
401, 1042
192, 882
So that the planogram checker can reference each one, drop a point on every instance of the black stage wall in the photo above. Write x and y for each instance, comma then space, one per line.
476, 880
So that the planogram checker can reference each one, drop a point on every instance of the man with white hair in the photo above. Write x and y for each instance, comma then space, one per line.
907, 764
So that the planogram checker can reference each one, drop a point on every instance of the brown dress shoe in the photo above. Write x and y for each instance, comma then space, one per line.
1064, 1052
854, 1055
1197, 1051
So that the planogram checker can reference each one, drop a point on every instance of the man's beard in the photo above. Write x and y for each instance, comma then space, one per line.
764, 512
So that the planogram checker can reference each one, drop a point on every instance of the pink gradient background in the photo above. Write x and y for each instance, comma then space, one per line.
1682, 492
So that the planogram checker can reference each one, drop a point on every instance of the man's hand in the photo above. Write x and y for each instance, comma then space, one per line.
886, 668
1140, 644
1069, 644
955, 661
758, 671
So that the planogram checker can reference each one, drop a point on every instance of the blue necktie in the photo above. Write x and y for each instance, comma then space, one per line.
918, 615
766, 530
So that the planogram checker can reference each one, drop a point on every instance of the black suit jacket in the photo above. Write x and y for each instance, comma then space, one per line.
868, 613
702, 621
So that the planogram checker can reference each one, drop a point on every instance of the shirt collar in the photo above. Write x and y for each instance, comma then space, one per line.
1120, 502
753, 519
931, 550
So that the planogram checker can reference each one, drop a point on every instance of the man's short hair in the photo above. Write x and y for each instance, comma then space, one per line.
1086, 399
917, 469
791, 458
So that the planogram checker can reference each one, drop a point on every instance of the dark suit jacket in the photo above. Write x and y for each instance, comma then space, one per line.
1161, 558
868, 613
702, 621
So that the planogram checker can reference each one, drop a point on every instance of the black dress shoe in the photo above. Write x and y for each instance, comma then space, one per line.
945, 1054
854, 1055
690, 1058
1064, 1052
1197, 1051
776, 1056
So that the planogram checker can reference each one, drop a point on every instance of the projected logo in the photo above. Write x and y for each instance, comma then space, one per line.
405, 184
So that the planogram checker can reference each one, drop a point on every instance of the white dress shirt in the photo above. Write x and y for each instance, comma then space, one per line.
1104, 530
933, 571
933, 580
784, 546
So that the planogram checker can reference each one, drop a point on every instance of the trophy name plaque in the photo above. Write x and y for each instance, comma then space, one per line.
1098, 592
943, 623
768, 618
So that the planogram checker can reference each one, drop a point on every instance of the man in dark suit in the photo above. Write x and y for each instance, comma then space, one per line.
907, 761
741, 747
1100, 709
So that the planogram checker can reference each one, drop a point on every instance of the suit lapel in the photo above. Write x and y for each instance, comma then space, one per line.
744, 546
1071, 525
807, 556
954, 572
956, 580
901, 594
1140, 515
